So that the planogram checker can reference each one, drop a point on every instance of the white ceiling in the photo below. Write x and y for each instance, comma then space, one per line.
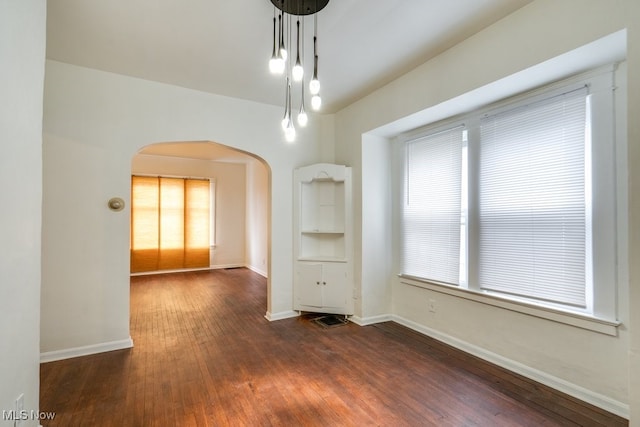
223, 47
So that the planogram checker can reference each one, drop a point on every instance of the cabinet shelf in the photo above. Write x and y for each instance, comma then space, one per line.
322, 245
323, 259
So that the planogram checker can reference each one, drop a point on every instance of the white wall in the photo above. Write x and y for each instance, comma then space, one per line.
94, 123
591, 365
631, 11
258, 208
22, 51
373, 268
230, 203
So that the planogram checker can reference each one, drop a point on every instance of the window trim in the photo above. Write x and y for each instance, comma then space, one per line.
583, 321
603, 320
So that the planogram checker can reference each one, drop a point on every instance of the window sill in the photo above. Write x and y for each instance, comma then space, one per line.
603, 326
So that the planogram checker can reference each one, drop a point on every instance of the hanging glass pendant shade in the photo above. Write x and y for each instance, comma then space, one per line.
278, 63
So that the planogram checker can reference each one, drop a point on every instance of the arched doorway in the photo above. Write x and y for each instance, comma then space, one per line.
241, 197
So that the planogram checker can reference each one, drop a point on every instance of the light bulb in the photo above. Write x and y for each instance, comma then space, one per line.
297, 72
303, 119
285, 123
276, 65
283, 53
316, 102
314, 86
290, 133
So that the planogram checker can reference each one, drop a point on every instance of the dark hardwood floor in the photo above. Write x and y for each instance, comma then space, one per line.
205, 356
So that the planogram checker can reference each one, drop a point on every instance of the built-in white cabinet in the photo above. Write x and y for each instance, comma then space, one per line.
323, 239
322, 286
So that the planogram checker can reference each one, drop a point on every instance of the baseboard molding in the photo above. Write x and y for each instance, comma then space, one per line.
556, 383
281, 315
52, 356
222, 266
181, 270
257, 270
212, 267
371, 320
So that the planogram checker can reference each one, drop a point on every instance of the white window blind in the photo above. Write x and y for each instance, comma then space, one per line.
533, 211
432, 207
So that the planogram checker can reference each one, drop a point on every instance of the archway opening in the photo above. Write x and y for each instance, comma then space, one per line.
240, 219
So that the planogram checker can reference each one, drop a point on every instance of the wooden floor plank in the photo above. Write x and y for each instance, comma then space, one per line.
205, 356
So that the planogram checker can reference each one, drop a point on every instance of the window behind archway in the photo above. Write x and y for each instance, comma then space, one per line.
170, 222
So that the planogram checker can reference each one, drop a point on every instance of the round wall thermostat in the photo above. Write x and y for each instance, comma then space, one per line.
116, 204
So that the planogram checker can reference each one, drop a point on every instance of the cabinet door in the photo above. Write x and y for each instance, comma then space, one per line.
309, 284
334, 285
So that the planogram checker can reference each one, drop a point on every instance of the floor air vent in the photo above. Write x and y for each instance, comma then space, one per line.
330, 321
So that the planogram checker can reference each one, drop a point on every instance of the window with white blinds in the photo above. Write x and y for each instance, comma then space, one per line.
432, 206
520, 202
532, 200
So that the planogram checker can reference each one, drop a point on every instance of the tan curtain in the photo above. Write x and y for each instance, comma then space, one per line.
169, 223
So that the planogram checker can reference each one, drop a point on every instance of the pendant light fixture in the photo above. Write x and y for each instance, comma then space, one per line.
287, 107
283, 50
290, 130
281, 58
297, 72
276, 63
303, 119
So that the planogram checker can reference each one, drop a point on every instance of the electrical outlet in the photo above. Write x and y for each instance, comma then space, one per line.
432, 305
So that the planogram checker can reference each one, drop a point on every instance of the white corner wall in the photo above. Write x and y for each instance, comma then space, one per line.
258, 217
631, 11
22, 53
592, 366
94, 123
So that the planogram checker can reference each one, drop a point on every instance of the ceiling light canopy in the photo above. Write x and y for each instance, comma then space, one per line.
282, 60
300, 7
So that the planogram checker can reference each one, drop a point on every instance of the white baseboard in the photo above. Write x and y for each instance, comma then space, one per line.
257, 270
212, 267
596, 399
222, 266
281, 315
52, 356
180, 270
364, 321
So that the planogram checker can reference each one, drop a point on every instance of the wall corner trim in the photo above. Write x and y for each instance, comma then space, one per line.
281, 315
371, 320
52, 356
